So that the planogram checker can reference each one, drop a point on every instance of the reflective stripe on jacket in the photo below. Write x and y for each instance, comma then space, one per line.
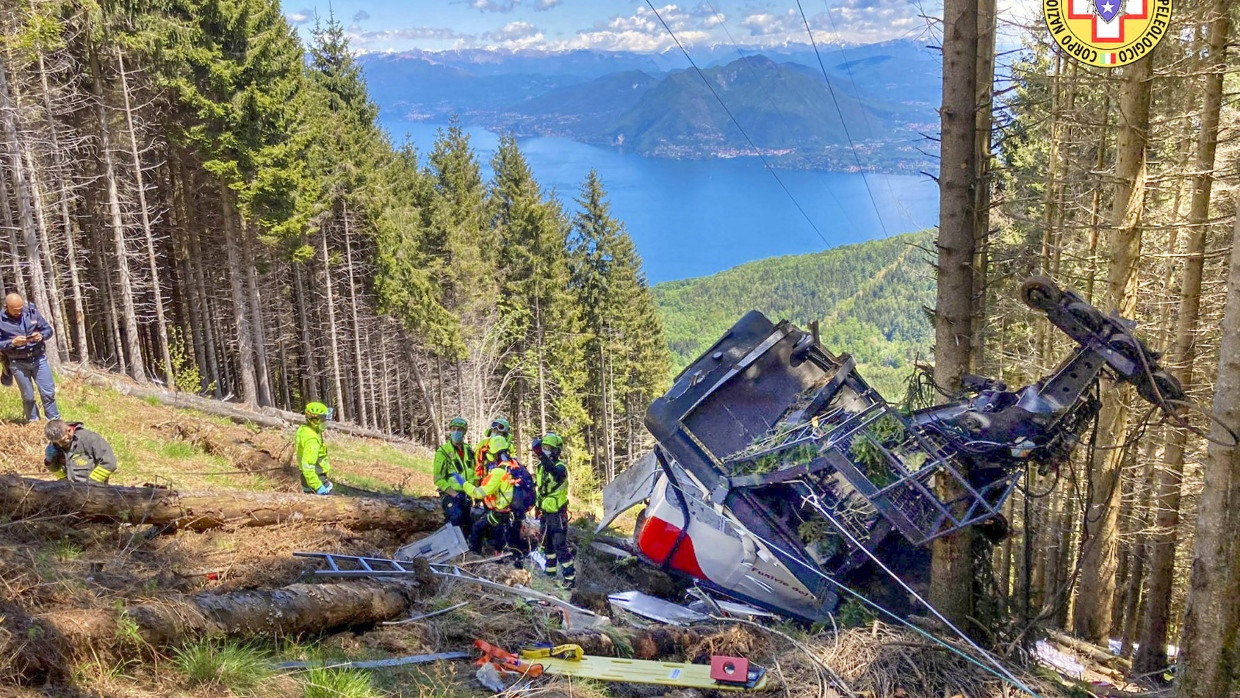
496, 489
448, 462
86, 452
551, 486
311, 456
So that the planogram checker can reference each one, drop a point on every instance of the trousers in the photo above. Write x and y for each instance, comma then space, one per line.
31, 374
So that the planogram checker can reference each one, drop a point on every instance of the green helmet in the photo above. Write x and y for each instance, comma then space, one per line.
553, 441
458, 423
496, 444
500, 426
316, 409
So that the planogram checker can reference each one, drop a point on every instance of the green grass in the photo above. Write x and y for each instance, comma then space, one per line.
178, 449
66, 550
237, 667
337, 683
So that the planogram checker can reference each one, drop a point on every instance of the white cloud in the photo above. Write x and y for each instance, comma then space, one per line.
541, 5
515, 35
361, 16
494, 5
302, 16
642, 31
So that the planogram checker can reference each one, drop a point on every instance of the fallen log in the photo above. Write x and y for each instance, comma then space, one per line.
24, 497
297, 609
1092, 651
268, 417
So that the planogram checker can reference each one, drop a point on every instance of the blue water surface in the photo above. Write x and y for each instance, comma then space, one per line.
697, 217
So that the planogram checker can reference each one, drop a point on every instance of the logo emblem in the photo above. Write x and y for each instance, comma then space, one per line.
1107, 32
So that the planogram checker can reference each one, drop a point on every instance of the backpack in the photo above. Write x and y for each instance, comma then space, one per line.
523, 493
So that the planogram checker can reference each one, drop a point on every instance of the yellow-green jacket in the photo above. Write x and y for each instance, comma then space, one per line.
312, 456
551, 486
496, 489
449, 462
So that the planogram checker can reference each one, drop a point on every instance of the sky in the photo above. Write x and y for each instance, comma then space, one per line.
618, 25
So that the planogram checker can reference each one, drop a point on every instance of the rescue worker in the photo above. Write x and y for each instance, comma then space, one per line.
495, 491
454, 475
483, 462
312, 451
77, 454
551, 490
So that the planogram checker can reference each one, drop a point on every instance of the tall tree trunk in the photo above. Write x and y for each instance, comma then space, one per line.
15, 257
951, 574
161, 324
237, 263
1091, 618
1152, 654
1206, 662
21, 190
338, 393
257, 323
124, 282
362, 414
310, 386
984, 103
66, 221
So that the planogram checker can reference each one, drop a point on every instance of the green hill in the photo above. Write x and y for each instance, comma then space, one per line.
868, 298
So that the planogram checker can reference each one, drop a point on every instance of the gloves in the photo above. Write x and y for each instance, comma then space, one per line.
460, 479
100, 474
325, 488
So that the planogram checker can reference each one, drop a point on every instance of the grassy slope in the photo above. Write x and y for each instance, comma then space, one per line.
867, 297
147, 453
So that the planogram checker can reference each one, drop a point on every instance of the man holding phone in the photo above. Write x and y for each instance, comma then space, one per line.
23, 342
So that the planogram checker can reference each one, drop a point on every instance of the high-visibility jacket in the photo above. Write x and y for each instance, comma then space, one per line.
496, 489
312, 455
87, 459
551, 485
448, 462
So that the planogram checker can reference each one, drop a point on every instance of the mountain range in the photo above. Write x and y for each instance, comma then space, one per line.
651, 105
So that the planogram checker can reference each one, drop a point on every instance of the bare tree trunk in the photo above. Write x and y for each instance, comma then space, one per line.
21, 190
384, 380
331, 328
1092, 614
161, 325
124, 282
951, 574
66, 221
213, 369
19, 280
257, 324
1206, 667
362, 414
310, 386
1152, 654
984, 103
241, 310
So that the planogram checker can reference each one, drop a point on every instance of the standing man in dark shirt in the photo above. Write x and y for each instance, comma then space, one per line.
23, 341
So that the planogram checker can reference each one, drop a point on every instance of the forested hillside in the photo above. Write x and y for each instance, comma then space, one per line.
869, 300
194, 197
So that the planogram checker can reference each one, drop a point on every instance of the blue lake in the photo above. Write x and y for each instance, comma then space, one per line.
696, 217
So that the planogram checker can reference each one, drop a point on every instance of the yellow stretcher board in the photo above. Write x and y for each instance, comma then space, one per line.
643, 671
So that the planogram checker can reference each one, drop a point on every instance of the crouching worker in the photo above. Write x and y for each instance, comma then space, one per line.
77, 454
551, 487
454, 476
312, 459
496, 492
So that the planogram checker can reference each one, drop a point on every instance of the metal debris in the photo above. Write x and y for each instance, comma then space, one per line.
439, 547
654, 608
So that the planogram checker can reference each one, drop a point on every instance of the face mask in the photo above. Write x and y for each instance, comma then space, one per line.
457, 437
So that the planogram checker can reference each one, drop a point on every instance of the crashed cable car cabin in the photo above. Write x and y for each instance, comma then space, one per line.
776, 463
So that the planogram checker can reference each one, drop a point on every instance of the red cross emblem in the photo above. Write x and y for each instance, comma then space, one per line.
1108, 17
